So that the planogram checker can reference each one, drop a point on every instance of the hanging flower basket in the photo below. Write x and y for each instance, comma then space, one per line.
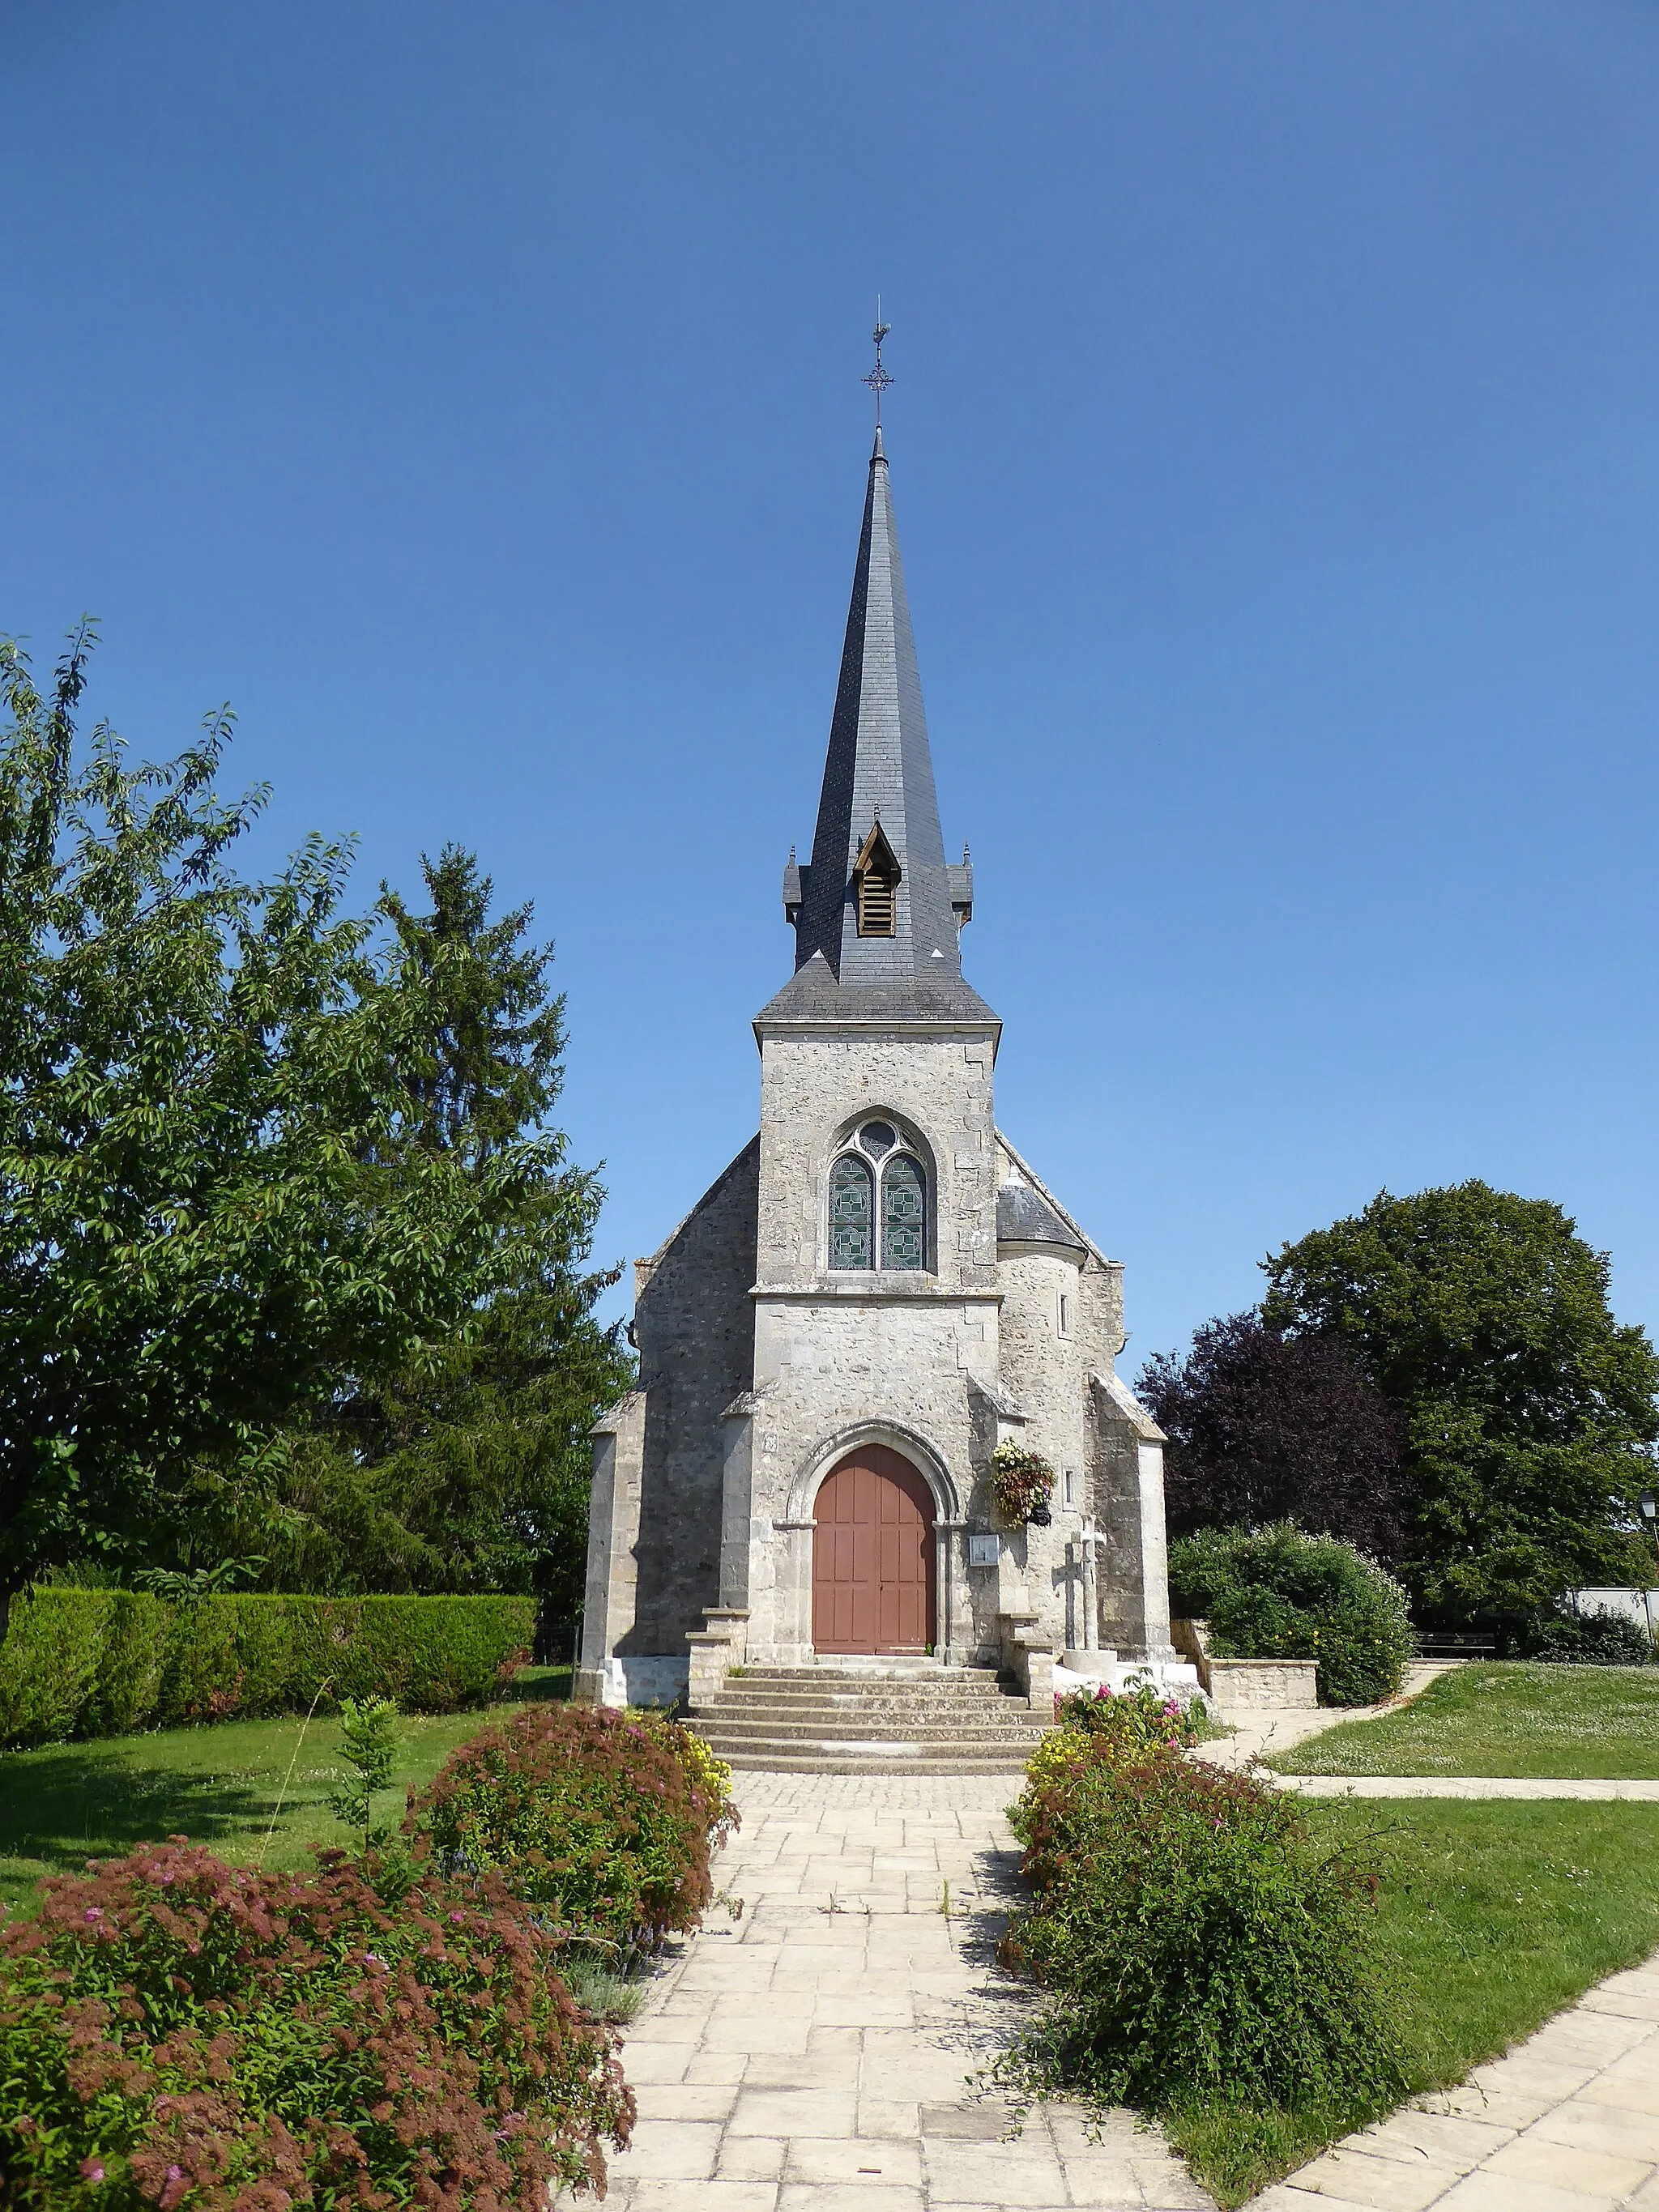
1023, 1480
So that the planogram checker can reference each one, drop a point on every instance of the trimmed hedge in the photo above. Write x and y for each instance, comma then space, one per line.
1281, 1593
106, 1663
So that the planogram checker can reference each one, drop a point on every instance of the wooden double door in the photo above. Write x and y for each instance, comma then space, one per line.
873, 1556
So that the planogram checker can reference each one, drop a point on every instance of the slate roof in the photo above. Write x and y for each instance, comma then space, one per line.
1026, 1216
812, 995
878, 767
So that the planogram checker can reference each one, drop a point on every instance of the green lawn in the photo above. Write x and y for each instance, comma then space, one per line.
1565, 1723
1492, 1916
71, 1802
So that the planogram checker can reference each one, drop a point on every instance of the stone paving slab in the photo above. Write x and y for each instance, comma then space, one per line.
1462, 1785
1567, 2122
822, 2052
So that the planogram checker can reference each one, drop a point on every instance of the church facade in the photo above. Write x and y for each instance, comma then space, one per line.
877, 1293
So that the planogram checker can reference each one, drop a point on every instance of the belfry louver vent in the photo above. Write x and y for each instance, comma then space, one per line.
876, 877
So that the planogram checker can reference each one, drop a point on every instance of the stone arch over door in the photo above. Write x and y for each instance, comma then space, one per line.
875, 1582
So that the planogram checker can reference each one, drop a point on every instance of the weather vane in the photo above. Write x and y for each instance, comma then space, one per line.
879, 380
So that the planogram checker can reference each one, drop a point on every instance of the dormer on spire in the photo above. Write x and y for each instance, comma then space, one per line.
876, 877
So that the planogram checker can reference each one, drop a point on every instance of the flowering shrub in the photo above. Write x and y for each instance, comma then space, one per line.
1199, 1949
1137, 1718
1279, 1594
1125, 1725
177, 2033
1022, 1481
605, 1819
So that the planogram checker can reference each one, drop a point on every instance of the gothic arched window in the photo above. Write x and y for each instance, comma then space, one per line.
904, 1214
878, 1184
851, 1210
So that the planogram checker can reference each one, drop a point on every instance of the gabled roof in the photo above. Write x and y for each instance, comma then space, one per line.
878, 785
876, 853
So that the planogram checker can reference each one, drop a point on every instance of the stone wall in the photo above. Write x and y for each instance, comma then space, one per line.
843, 1359
694, 1325
814, 1087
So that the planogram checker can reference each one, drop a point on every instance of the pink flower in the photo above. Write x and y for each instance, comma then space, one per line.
92, 2169
94, 1912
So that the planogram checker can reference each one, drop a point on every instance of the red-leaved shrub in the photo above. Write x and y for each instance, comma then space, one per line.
605, 1820
178, 2034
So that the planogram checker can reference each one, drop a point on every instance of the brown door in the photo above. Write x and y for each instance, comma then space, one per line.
872, 1556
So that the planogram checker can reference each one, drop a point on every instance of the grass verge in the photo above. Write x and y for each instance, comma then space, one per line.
219, 1785
1563, 1723
1491, 1917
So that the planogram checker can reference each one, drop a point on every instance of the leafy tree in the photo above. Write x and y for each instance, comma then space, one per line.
1528, 1409
468, 1468
1264, 1427
216, 1195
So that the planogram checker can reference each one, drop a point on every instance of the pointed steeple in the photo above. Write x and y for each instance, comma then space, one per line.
878, 811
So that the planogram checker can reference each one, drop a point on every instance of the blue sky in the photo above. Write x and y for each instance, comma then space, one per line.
470, 395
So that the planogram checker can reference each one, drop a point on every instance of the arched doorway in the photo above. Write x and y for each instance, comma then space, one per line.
873, 1556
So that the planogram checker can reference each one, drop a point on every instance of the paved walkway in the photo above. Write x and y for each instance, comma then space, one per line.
1461, 1785
1567, 2122
815, 2055
824, 2052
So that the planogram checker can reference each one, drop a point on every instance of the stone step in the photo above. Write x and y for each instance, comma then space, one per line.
922, 1671
965, 1709
912, 1716
788, 1757
740, 1732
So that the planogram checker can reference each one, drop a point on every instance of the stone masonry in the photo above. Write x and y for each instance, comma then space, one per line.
767, 1358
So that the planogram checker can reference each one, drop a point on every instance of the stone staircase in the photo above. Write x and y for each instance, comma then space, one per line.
893, 1716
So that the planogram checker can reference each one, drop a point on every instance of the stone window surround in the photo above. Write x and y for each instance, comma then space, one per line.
911, 1144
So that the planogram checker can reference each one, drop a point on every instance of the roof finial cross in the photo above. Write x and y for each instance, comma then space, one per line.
879, 380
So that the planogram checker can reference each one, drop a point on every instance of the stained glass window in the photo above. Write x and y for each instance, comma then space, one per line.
851, 1209
903, 1216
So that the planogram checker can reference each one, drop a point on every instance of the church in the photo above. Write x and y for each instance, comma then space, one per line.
875, 1295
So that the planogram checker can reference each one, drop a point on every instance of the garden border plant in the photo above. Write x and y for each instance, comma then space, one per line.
1201, 1954
605, 1822
174, 2032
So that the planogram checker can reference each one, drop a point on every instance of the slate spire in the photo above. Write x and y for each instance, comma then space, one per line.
879, 771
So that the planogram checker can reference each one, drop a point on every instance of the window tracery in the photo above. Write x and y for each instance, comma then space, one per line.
878, 1202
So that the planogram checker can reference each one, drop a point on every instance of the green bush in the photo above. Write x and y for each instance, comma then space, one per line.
174, 2033
105, 1663
1568, 1638
1282, 1595
1199, 1950
607, 1820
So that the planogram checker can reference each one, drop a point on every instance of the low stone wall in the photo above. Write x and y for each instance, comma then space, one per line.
1255, 1685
